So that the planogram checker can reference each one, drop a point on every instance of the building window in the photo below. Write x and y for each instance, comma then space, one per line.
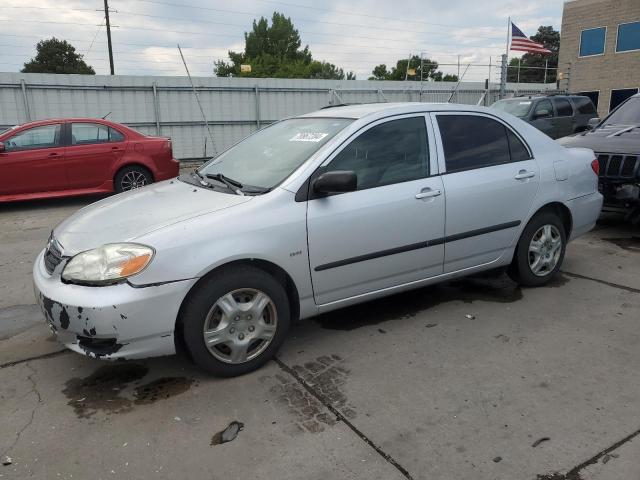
593, 95
628, 37
619, 96
592, 41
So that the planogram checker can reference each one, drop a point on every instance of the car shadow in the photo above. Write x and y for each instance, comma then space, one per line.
46, 203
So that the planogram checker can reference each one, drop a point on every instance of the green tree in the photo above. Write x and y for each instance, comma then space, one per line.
550, 38
57, 56
398, 72
275, 51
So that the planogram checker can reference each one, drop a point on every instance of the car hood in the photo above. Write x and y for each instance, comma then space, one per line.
129, 215
607, 139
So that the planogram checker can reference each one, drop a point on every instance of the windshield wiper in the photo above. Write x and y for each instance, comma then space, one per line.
232, 184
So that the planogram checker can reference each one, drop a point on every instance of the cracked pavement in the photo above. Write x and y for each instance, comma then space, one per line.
539, 384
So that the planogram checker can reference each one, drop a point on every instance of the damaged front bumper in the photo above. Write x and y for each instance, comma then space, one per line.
112, 322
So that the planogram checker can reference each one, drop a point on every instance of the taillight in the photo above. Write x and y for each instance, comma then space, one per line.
595, 166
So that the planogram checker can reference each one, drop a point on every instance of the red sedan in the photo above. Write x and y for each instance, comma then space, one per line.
79, 156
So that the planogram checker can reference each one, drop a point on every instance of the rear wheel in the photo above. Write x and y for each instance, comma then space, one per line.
540, 251
235, 321
132, 177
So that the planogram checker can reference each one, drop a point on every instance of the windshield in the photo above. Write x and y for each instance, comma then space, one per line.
270, 155
627, 114
519, 108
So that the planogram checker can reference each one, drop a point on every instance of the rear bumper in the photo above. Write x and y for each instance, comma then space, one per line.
111, 322
585, 211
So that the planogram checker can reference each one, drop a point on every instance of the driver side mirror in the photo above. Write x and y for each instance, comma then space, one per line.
338, 181
544, 113
2, 147
593, 123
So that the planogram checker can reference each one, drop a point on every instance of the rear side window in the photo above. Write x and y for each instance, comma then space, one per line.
88, 133
584, 105
563, 107
472, 141
392, 152
517, 149
45, 136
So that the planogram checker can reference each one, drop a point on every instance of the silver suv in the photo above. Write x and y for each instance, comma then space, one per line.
311, 214
556, 115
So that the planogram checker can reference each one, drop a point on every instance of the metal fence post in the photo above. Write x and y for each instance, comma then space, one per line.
26, 100
257, 97
156, 107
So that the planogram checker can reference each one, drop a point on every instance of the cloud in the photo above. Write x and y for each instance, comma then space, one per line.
355, 35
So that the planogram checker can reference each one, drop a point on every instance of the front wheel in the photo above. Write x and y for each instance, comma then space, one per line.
235, 321
539, 252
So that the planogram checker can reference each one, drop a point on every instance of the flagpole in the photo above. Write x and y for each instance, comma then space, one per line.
505, 63
508, 35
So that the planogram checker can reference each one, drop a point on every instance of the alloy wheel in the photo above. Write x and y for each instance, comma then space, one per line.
133, 180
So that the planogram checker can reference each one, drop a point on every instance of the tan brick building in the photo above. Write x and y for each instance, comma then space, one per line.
600, 50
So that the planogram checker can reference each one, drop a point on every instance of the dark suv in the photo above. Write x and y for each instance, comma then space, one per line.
555, 115
616, 141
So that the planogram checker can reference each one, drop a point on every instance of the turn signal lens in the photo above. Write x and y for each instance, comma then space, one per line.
595, 166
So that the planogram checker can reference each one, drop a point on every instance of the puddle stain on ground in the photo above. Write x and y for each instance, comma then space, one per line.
228, 434
104, 390
162, 388
631, 244
409, 304
326, 375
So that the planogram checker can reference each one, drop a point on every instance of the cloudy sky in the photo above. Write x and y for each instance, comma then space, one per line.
354, 34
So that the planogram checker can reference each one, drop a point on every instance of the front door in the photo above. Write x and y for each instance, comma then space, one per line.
490, 182
544, 119
33, 161
389, 231
92, 151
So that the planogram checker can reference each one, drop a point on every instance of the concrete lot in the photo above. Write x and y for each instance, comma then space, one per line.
541, 383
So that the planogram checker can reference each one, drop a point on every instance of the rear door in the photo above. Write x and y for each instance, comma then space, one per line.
490, 182
389, 231
565, 120
93, 149
544, 118
33, 161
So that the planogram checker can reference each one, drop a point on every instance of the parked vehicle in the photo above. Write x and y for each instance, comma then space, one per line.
555, 115
79, 156
308, 215
616, 141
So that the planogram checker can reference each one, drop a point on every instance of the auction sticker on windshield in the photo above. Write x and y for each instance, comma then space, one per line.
308, 137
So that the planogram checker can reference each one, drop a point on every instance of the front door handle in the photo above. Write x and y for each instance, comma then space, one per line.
523, 174
428, 193
54, 154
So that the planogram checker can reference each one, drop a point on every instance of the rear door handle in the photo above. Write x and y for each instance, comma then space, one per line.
523, 174
428, 193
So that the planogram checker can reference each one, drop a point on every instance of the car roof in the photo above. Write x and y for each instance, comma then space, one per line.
47, 121
387, 109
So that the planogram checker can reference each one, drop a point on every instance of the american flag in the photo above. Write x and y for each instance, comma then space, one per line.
521, 43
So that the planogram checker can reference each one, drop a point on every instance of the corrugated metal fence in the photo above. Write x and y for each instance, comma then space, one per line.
234, 107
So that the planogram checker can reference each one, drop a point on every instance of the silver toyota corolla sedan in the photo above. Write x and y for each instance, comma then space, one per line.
311, 214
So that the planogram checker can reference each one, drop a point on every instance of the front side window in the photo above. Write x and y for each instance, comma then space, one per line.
543, 109
267, 157
628, 37
392, 152
86, 133
473, 141
592, 41
46, 136
563, 107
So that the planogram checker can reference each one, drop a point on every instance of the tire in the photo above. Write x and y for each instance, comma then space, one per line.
550, 237
233, 326
132, 177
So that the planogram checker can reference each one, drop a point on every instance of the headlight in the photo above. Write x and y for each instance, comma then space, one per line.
107, 264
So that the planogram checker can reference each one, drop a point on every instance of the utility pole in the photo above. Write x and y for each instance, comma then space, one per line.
106, 18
